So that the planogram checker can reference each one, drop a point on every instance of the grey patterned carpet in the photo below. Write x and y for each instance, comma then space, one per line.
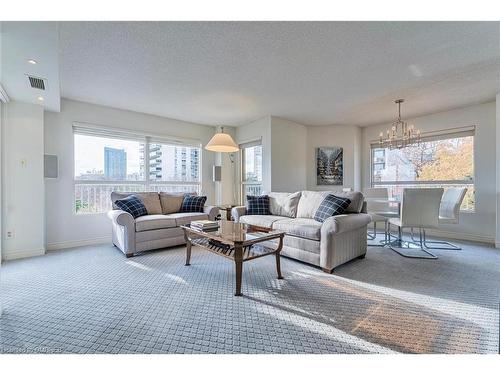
94, 300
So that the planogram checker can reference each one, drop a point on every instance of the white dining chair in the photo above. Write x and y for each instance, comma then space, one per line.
419, 209
449, 212
380, 209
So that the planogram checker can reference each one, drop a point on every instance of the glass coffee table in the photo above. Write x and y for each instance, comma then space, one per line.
237, 242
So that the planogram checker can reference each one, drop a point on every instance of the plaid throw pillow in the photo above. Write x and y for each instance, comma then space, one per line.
258, 205
133, 205
331, 206
193, 203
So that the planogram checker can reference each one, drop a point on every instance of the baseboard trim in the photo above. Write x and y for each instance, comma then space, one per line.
19, 254
458, 236
77, 243
448, 235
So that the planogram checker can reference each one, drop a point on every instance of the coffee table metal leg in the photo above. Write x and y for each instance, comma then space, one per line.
188, 249
238, 259
278, 266
278, 259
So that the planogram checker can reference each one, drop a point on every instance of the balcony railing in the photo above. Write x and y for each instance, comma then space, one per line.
251, 189
96, 198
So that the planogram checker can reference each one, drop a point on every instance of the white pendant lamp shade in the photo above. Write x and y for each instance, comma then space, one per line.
222, 142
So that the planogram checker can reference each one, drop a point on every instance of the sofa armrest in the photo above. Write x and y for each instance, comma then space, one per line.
343, 237
122, 218
344, 223
238, 211
123, 225
211, 211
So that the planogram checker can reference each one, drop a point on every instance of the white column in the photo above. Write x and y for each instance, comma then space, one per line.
497, 238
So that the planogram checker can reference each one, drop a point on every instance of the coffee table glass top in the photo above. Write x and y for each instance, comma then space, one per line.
230, 232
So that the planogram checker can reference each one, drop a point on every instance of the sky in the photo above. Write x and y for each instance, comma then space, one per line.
89, 153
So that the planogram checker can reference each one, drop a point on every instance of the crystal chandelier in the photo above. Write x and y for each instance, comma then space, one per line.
401, 134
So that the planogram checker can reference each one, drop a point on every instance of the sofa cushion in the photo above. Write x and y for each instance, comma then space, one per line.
150, 199
331, 206
265, 221
151, 222
300, 227
258, 205
193, 203
172, 202
133, 205
310, 201
183, 218
356, 198
284, 204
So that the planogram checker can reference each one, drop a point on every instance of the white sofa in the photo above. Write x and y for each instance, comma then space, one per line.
159, 229
337, 240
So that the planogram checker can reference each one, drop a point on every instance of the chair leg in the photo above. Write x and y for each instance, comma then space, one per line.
420, 246
373, 236
448, 245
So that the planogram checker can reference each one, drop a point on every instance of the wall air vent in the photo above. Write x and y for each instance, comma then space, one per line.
37, 83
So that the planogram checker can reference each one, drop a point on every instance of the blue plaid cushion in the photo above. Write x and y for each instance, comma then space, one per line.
331, 206
133, 205
258, 205
193, 203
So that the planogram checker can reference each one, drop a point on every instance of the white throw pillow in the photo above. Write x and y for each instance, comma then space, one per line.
284, 204
309, 203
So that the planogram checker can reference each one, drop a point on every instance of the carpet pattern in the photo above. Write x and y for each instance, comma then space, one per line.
94, 300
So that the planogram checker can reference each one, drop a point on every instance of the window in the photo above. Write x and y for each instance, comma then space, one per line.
442, 160
251, 169
107, 161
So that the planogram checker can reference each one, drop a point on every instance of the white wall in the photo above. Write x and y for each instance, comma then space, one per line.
260, 129
479, 225
226, 190
288, 155
64, 228
497, 239
289, 152
347, 137
23, 197
283, 152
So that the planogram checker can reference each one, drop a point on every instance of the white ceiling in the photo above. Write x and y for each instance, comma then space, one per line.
22, 41
314, 73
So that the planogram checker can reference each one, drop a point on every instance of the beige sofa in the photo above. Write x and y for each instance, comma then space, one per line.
329, 244
159, 229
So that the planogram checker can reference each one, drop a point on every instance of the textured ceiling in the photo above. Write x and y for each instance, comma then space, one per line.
315, 73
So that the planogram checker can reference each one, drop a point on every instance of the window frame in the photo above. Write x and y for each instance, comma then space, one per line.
147, 139
428, 137
244, 183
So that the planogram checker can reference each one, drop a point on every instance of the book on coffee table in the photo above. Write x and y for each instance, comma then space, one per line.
204, 224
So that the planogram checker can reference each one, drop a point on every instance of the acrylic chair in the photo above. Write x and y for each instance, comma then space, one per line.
449, 212
419, 209
379, 210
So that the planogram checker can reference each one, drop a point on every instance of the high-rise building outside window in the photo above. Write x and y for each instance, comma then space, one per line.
109, 160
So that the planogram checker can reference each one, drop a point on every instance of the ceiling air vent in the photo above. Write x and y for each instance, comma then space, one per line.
37, 83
